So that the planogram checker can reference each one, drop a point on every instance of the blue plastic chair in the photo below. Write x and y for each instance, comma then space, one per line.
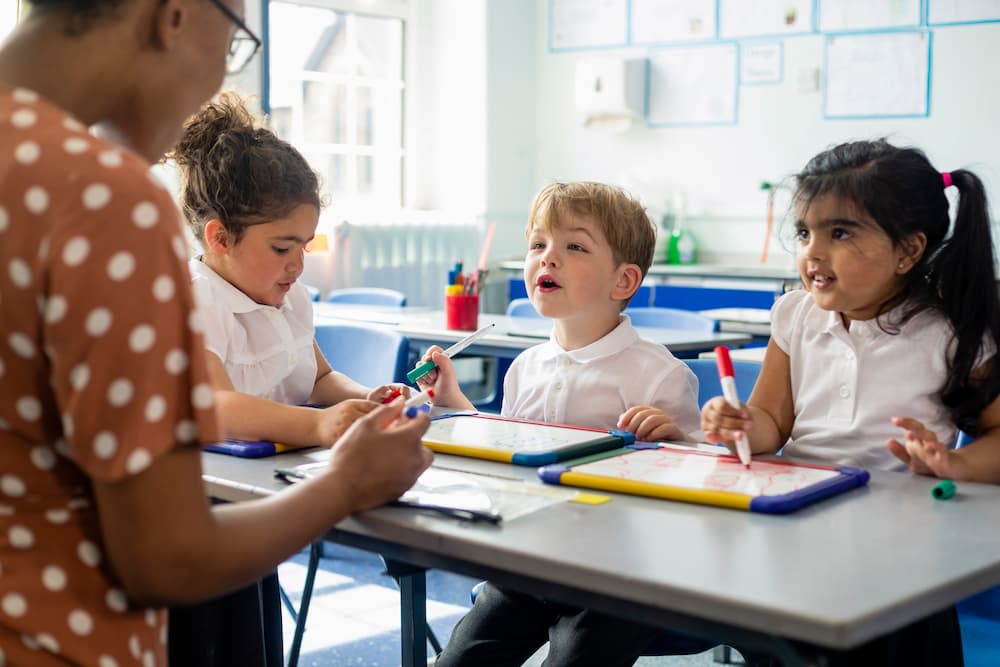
979, 616
313, 292
672, 318
373, 356
745, 374
367, 296
521, 308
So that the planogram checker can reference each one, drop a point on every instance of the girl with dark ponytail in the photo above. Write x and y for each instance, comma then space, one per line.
890, 349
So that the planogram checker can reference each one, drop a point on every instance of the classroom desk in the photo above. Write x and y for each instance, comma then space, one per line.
513, 334
834, 575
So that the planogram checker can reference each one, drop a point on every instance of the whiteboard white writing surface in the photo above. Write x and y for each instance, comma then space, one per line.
962, 11
761, 62
693, 85
885, 74
672, 20
739, 18
846, 15
588, 23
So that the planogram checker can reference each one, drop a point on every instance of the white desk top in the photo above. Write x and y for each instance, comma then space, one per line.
513, 334
835, 574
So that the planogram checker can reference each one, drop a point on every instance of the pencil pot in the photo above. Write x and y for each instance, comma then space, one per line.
461, 311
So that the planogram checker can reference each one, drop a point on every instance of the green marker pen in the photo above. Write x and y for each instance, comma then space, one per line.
943, 490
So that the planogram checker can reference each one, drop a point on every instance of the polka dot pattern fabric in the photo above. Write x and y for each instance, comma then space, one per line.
102, 371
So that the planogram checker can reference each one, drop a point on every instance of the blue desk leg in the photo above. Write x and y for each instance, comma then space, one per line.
413, 617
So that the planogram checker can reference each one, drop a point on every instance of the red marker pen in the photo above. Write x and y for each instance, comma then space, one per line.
725, 365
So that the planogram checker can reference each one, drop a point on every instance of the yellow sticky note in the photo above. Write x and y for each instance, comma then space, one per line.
591, 499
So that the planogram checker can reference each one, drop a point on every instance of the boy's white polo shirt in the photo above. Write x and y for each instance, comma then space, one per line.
594, 385
267, 351
848, 384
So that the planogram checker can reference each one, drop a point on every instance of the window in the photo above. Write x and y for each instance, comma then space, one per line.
336, 93
8, 17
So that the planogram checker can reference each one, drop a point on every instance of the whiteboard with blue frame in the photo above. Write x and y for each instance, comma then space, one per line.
764, 18
877, 75
949, 12
856, 15
693, 85
587, 24
667, 21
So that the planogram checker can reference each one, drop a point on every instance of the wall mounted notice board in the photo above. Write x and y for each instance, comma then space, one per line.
674, 472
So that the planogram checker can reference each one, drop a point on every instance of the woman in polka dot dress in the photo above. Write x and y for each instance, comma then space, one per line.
253, 202
105, 391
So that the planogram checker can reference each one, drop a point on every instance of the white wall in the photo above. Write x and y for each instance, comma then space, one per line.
778, 130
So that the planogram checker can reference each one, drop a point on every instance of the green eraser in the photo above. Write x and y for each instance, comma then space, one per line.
944, 489
420, 371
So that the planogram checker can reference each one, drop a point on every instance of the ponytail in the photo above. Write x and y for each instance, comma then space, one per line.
963, 271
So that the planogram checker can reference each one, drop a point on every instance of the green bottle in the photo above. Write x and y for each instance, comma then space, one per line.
682, 247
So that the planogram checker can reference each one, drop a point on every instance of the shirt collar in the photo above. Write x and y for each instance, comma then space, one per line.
829, 321
231, 297
611, 343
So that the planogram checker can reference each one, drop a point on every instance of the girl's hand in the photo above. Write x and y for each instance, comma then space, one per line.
388, 392
650, 424
723, 424
335, 420
443, 381
380, 455
923, 453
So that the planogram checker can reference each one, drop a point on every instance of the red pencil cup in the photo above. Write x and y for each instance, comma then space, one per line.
461, 311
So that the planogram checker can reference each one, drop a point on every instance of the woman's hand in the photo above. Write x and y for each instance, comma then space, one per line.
336, 419
380, 456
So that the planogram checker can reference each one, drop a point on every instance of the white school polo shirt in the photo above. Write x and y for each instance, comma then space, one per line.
847, 385
267, 351
594, 385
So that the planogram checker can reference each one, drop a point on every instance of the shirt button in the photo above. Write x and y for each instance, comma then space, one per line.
844, 391
558, 386
850, 355
564, 362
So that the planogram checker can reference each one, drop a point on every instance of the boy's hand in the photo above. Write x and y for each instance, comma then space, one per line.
924, 453
336, 419
650, 424
443, 381
723, 424
388, 392
380, 456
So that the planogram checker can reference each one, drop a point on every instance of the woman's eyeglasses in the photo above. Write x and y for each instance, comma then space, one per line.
244, 44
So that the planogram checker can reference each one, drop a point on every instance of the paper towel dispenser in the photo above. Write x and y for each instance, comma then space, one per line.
609, 92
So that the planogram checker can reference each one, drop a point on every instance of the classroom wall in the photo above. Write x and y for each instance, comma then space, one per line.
779, 128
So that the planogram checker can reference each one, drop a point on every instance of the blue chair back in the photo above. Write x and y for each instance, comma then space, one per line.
313, 292
367, 296
672, 318
521, 308
371, 355
745, 374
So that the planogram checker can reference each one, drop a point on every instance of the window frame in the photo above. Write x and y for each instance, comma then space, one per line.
393, 9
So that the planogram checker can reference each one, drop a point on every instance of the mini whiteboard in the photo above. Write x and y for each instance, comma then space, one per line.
693, 85
579, 24
675, 473
878, 75
945, 12
672, 21
517, 441
853, 15
764, 18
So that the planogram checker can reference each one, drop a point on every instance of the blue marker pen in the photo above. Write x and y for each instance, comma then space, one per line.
420, 402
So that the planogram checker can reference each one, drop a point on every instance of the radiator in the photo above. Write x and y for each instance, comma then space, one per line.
412, 256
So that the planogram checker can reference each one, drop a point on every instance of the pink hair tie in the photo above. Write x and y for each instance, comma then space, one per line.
946, 178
